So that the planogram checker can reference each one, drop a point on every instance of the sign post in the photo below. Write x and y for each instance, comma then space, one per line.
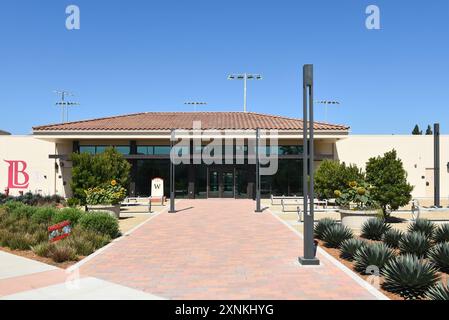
309, 257
157, 191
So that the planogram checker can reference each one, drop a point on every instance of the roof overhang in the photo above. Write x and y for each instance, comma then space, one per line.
52, 135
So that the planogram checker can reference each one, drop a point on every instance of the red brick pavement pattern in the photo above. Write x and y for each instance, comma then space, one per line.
219, 249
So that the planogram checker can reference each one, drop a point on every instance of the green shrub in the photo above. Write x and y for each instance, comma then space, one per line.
372, 254
11, 206
415, 243
70, 214
43, 215
62, 251
392, 238
409, 276
20, 241
439, 291
86, 242
374, 229
335, 235
90, 171
73, 202
81, 246
101, 222
43, 249
439, 256
18, 210
5, 235
349, 248
31, 199
322, 225
441, 233
39, 235
389, 179
424, 226
333, 175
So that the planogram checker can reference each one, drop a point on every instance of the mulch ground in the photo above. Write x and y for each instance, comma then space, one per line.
31, 255
336, 254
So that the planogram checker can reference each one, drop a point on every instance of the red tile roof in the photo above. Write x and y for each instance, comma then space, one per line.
184, 120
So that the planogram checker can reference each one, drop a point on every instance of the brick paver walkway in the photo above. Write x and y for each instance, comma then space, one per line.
219, 249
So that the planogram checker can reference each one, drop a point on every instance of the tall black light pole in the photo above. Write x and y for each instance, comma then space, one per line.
258, 209
172, 174
436, 159
309, 257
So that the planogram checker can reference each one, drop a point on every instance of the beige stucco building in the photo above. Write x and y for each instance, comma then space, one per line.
40, 163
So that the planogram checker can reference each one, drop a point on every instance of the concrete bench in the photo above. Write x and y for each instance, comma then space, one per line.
299, 202
143, 200
280, 198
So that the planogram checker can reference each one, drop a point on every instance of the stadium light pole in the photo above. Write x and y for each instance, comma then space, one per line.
326, 104
65, 104
309, 257
245, 77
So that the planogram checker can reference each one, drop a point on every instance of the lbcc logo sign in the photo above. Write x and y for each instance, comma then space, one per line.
17, 176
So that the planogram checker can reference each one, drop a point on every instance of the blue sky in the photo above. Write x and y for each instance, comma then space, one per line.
133, 56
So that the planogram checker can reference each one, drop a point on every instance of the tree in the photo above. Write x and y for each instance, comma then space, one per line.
429, 131
416, 131
389, 179
99, 170
333, 175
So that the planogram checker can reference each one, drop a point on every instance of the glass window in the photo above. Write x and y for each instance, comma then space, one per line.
100, 149
87, 149
123, 149
290, 150
182, 150
161, 150
145, 150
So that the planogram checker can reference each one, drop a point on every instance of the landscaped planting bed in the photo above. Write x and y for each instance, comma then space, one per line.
412, 265
24, 231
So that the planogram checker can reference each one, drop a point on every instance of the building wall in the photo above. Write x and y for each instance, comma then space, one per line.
50, 176
416, 153
40, 174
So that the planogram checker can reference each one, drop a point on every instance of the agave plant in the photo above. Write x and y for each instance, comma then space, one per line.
409, 276
374, 229
322, 226
372, 254
441, 233
392, 238
335, 235
415, 243
349, 247
439, 291
424, 226
439, 256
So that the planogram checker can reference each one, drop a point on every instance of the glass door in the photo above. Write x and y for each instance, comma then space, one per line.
214, 185
227, 181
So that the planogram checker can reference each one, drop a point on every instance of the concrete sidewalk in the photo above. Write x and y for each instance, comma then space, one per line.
26, 279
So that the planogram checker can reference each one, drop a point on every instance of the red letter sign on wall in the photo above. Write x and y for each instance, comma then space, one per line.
17, 177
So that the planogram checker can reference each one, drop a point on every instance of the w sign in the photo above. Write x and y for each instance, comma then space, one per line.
157, 187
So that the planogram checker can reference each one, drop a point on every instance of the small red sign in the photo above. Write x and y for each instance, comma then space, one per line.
59, 231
